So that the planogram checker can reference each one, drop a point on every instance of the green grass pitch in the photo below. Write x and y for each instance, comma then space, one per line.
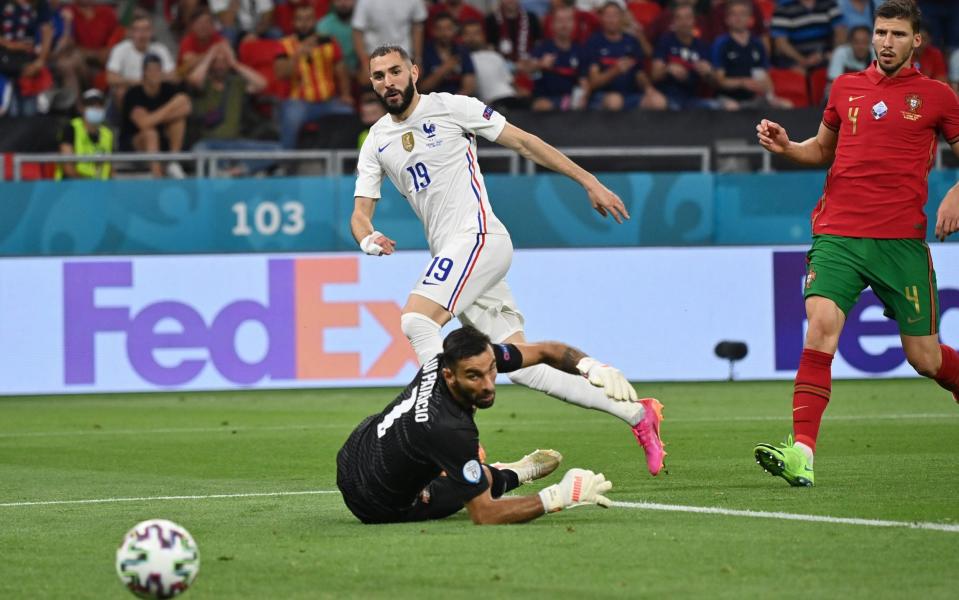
888, 451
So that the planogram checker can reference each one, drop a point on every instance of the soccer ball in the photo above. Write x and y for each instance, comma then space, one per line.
157, 559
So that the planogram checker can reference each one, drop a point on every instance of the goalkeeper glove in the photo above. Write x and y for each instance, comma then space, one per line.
609, 378
579, 486
369, 245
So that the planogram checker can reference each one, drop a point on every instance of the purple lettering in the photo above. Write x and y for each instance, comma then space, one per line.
82, 319
277, 318
143, 340
850, 342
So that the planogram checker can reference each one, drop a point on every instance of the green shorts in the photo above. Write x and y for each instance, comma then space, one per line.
898, 271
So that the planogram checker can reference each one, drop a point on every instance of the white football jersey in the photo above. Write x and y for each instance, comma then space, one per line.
431, 159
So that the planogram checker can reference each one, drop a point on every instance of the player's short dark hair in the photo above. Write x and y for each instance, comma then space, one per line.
465, 342
901, 9
386, 49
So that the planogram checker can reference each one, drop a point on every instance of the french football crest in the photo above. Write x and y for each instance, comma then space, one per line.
408, 141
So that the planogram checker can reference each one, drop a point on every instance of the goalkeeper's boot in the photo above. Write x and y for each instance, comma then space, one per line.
533, 466
786, 461
647, 432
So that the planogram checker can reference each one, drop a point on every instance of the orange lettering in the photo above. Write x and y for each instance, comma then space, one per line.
314, 315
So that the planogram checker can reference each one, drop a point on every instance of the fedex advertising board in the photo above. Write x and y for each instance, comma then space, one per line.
223, 322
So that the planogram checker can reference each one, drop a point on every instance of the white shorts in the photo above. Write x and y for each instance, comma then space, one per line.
467, 277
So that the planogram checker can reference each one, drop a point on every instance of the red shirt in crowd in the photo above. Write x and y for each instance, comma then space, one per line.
888, 128
191, 44
93, 31
931, 63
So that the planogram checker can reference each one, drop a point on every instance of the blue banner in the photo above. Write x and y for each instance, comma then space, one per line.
312, 214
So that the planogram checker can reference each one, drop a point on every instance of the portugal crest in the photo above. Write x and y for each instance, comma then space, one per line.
913, 103
408, 141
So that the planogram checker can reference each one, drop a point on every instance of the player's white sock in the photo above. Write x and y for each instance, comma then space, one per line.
423, 334
805, 450
575, 389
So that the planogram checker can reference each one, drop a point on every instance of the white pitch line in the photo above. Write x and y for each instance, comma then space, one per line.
729, 512
154, 498
709, 510
486, 424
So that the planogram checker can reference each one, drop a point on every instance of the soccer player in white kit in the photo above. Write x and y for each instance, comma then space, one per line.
426, 145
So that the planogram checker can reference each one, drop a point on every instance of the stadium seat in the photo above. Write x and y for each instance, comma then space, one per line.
645, 12
790, 85
817, 86
766, 8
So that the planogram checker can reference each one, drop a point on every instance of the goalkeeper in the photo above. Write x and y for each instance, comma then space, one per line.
419, 459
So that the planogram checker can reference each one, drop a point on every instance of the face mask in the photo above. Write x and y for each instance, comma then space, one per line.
94, 115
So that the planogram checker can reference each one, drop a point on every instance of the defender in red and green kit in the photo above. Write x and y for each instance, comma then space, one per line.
879, 132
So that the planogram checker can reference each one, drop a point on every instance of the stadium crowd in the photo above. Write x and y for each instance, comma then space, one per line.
169, 75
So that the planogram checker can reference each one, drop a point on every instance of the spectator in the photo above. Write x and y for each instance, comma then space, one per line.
559, 61
460, 11
86, 135
664, 21
198, 42
371, 111
94, 27
929, 59
221, 110
741, 61
380, 22
126, 63
857, 13
336, 24
942, 17
804, 33
954, 70
447, 66
26, 39
512, 30
585, 23
616, 75
853, 56
680, 65
154, 117
715, 22
242, 19
494, 80
65, 59
319, 82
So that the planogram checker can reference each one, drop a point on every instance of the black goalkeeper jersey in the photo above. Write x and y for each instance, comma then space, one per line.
392, 456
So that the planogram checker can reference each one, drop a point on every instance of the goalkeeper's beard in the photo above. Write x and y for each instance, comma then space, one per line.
481, 399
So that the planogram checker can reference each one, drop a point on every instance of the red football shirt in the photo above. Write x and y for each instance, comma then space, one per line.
888, 129
190, 44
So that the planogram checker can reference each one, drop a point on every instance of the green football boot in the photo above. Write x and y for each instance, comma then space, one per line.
787, 462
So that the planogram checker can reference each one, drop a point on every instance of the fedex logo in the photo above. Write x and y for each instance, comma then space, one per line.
789, 270
296, 317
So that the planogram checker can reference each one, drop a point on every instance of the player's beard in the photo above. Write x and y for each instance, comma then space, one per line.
482, 399
406, 95
895, 67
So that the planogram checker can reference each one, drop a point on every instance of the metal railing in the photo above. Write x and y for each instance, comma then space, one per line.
207, 164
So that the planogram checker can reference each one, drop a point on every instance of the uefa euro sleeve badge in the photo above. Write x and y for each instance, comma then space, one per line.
879, 110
